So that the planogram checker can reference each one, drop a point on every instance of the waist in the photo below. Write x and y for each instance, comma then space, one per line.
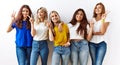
75, 40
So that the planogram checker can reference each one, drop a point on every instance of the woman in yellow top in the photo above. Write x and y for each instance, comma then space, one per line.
59, 34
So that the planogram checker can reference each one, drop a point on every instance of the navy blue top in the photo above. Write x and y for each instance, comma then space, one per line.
23, 35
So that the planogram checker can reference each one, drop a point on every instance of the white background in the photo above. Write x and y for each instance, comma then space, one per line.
66, 9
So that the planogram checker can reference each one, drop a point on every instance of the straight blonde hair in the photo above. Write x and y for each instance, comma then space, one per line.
37, 20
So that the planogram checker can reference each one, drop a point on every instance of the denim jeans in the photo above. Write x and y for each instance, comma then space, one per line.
79, 51
97, 52
39, 48
23, 55
60, 53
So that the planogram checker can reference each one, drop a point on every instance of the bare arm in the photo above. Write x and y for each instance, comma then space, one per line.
104, 25
9, 28
103, 29
90, 32
33, 31
89, 35
12, 20
51, 36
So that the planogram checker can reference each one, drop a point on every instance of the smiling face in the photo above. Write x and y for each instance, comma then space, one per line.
79, 16
98, 9
25, 13
54, 17
41, 14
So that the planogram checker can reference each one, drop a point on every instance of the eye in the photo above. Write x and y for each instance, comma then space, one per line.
52, 16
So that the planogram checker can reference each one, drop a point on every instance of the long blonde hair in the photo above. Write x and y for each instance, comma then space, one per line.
37, 20
51, 19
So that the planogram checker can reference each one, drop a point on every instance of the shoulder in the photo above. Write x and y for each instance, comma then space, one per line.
69, 25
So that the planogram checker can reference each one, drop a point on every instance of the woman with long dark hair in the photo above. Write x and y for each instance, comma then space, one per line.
23, 34
79, 31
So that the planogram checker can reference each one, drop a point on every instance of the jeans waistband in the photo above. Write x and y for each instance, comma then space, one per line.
75, 40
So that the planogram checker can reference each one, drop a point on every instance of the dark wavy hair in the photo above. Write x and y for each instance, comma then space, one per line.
83, 23
19, 17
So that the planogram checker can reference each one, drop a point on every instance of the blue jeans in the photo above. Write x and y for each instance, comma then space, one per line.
79, 51
60, 53
39, 48
97, 52
23, 55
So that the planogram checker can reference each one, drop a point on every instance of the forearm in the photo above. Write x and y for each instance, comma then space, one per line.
10, 27
89, 35
33, 31
51, 37
102, 30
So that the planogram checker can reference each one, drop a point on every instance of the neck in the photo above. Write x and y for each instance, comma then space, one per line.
98, 17
56, 23
42, 19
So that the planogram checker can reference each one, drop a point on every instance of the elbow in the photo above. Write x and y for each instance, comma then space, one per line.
8, 31
33, 35
51, 39
89, 38
102, 33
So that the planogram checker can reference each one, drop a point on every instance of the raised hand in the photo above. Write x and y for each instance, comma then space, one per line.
13, 16
31, 19
105, 14
91, 23
49, 25
60, 26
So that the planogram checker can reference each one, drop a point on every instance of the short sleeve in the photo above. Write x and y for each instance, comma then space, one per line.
69, 25
13, 25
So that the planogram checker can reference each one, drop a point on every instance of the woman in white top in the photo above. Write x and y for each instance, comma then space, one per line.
39, 31
97, 44
79, 28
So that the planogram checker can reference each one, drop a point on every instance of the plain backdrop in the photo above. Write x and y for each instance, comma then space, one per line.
66, 9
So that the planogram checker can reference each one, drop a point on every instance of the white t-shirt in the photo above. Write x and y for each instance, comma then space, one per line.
73, 31
41, 31
97, 26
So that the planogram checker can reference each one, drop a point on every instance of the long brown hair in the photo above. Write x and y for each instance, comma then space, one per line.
83, 23
103, 9
19, 17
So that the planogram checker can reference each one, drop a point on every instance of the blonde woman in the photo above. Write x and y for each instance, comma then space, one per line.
39, 31
59, 34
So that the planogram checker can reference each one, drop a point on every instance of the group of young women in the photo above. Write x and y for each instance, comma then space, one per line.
71, 41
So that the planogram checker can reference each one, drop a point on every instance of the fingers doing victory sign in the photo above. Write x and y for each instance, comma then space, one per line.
31, 19
13, 16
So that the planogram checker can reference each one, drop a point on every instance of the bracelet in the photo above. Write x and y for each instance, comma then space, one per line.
103, 20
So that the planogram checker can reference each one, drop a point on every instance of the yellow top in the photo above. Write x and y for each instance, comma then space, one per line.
61, 37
